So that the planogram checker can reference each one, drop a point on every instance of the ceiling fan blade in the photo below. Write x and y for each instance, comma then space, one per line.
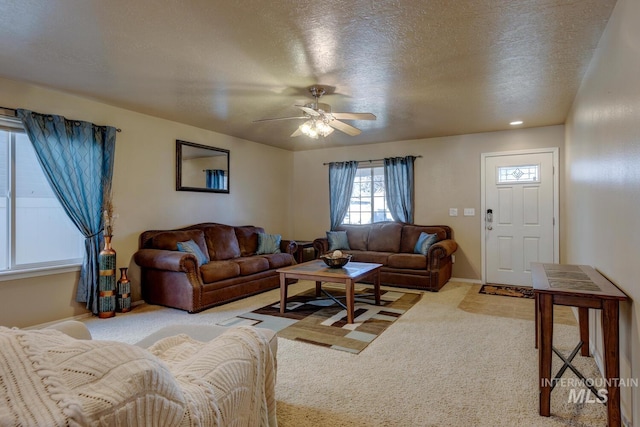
296, 133
343, 127
354, 116
308, 110
279, 118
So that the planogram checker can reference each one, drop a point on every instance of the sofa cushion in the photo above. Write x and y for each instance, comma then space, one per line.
337, 240
221, 242
424, 243
268, 243
385, 237
357, 235
251, 265
278, 260
219, 270
192, 247
411, 233
168, 240
247, 236
370, 256
413, 261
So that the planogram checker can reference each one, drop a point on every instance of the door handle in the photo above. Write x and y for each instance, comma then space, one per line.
489, 219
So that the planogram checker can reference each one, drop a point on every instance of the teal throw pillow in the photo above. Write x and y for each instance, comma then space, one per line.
337, 240
424, 243
192, 247
268, 243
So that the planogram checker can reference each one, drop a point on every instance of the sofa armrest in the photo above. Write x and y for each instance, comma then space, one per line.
288, 246
443, 248
321, 245
439, 251
73, 328
166, 260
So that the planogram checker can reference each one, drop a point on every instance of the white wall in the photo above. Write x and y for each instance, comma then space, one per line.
602, 180
144, 193
447, 176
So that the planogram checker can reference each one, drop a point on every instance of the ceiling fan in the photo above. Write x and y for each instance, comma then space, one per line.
320, 121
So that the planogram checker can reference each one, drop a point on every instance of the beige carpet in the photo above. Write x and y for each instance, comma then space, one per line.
517, 308
438, 365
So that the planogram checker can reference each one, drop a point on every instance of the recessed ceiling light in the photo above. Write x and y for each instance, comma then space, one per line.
516, 123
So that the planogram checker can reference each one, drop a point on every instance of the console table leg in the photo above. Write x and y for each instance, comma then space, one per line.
610, 328
545, 349
536, 298
583, 320
318, 289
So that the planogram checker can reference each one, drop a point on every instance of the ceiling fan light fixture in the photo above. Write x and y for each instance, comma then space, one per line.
306, 127
323, 128
314, 128
320, 121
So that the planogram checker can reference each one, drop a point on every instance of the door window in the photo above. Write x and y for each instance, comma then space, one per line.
516, 174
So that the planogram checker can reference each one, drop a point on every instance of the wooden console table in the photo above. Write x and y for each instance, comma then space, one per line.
583, 287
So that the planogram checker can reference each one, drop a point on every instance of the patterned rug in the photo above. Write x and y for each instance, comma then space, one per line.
323, 322
507, 290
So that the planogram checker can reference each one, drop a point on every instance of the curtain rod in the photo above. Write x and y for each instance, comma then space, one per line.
370, 161
12, 112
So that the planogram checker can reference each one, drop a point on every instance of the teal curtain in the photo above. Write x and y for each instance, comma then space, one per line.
215, 179
341, 176
398, 185
77, 159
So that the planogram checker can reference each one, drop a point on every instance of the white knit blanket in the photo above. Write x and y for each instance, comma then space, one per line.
50, 379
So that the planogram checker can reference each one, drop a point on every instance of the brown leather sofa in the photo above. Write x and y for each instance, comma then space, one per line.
392, 245
232, 271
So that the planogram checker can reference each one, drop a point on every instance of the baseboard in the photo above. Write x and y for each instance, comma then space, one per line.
457, 279
44, 325
76, 317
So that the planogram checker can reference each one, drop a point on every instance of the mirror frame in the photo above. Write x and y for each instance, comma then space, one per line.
179, 186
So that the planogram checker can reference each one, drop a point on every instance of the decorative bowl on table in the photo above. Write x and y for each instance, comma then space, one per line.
334, 260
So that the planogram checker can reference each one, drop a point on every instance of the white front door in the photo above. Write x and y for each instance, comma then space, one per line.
520, 210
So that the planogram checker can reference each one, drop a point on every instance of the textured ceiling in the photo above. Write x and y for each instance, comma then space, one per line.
424, 68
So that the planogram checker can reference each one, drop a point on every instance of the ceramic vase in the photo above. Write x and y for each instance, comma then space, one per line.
107, 280
124, 292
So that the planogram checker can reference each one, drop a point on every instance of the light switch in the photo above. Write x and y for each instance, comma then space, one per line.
453, 211
469, 212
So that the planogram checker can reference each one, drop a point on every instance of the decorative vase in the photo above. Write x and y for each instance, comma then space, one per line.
124, 292
107, 280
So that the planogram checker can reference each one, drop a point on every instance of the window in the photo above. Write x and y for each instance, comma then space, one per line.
513, 174
35, 231
368, 202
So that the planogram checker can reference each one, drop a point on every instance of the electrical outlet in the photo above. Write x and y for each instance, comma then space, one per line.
453, 259
469, 212
453, 211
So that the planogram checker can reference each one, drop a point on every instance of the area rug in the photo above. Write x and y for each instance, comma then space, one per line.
507, 290
323, 322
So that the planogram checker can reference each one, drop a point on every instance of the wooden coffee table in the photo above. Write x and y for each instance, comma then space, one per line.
318, 271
